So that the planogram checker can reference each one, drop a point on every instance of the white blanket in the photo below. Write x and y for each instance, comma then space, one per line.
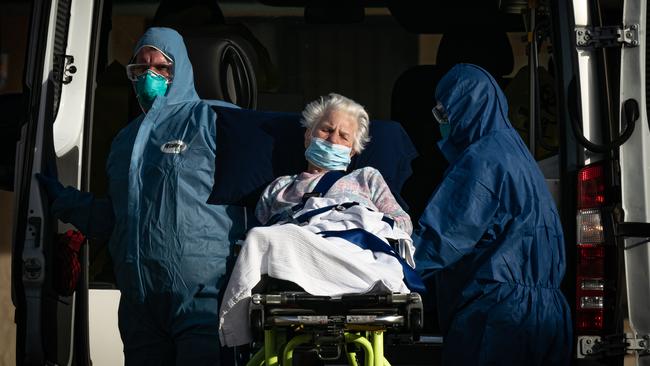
321, 266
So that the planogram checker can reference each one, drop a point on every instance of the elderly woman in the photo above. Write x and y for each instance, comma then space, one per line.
314, 240
336, 129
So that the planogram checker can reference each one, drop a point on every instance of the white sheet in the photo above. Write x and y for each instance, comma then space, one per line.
321, 266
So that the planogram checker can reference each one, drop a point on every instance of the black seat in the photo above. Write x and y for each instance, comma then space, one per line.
412, 100
229, 63
414, 96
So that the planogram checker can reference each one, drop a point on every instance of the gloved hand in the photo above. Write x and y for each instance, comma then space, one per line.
52, 186
70, 205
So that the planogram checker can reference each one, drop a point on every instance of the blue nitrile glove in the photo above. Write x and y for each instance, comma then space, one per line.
52, 186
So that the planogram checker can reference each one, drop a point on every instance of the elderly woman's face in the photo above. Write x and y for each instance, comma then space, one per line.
337, 127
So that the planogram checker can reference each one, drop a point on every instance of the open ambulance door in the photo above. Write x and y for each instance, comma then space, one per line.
635, 183
58, 84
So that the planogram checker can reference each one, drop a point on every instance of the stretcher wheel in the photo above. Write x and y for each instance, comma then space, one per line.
415, 323
257, 325
415, 320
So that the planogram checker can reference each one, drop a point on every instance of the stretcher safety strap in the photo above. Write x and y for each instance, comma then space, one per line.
366, 240
324, 184
340, 207
308, 215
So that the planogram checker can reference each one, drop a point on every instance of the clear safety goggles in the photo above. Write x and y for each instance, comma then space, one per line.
440, 114
166, 70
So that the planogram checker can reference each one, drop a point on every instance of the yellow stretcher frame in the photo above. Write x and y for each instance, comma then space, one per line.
275, 345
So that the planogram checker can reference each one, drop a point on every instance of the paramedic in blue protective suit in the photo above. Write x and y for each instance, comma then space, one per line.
491, 236
168, 257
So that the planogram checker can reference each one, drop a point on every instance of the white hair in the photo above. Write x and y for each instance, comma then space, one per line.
315, 111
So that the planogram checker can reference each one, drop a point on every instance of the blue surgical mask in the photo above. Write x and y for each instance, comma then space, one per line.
148, 86
327, 155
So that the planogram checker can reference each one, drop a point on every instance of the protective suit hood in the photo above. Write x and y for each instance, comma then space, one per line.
475, 106
169, 42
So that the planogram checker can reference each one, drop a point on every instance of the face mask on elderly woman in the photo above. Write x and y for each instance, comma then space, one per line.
327, 155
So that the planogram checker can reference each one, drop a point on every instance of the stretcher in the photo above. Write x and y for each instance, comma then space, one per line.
350, 325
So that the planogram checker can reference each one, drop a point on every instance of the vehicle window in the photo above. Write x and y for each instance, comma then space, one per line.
13, 40
14, 25
361, 61
518, 93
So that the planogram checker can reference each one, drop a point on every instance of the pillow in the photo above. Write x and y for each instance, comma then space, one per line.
255, 147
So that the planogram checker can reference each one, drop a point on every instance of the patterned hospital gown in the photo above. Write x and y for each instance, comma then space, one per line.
365, 186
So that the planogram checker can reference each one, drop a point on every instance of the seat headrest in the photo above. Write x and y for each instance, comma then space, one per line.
229, 63
187, 13
490, 49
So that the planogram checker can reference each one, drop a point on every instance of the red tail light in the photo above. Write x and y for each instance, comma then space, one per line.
590, 287
591, 260
591, 186
590, 271
589, 320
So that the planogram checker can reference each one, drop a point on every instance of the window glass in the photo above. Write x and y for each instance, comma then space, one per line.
14, 23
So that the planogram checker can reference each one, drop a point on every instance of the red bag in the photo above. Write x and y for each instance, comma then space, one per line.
67, 267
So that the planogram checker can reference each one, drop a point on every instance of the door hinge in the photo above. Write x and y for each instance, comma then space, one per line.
591, 37
32, 269
639, 344
33, 262
613, 345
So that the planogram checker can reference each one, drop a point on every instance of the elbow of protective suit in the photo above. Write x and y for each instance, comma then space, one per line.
432, 251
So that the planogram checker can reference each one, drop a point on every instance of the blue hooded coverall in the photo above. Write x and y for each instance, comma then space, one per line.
169, 247
491, 237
